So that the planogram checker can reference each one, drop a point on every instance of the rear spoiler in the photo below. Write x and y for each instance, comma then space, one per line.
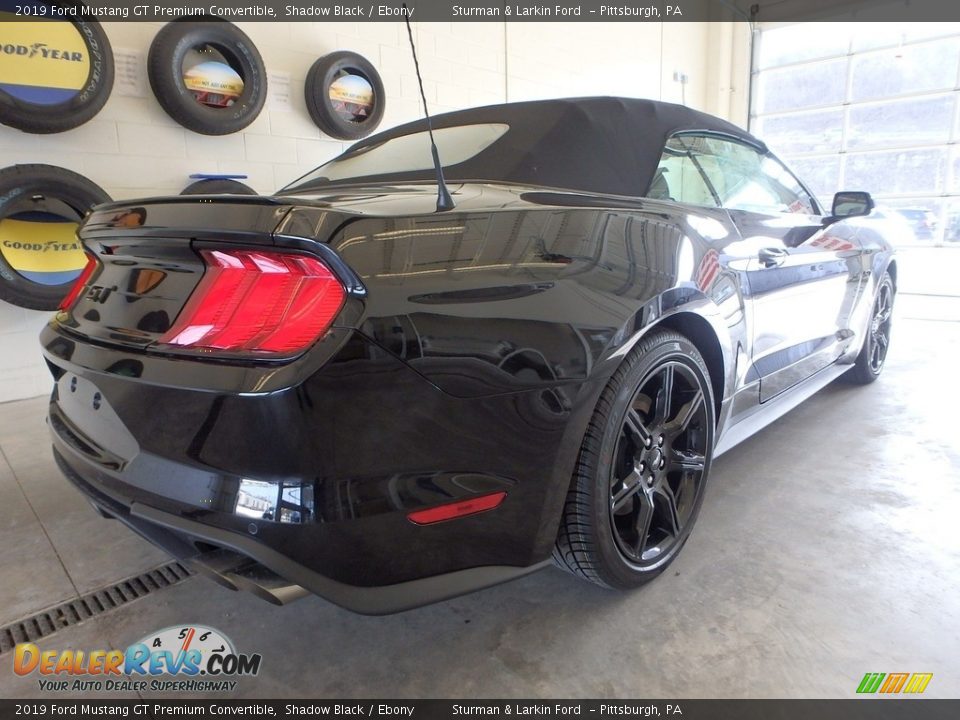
306, 225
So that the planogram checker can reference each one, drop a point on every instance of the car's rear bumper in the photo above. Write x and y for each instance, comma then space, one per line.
240, 562
311, 486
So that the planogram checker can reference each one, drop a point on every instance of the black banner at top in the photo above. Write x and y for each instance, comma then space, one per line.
484, 10
528, 709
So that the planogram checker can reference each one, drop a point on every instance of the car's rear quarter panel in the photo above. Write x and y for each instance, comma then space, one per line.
470, 361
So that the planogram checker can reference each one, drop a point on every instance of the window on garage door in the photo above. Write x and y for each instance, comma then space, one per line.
867, 106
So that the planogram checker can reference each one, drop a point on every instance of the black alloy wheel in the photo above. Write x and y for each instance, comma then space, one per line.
643, 466
876, 344
880, 327
658, 473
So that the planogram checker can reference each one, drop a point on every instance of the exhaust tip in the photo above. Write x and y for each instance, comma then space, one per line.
238, 572
267, 585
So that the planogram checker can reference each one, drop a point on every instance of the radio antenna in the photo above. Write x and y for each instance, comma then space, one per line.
444, 200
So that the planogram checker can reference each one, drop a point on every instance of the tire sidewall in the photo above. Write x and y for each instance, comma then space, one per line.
45, 119
319, 78
19, 182
218, 186
165, 65
612, 560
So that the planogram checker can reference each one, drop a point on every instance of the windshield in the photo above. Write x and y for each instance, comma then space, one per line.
405, 154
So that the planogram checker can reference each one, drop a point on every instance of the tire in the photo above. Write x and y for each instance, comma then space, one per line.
221, 186
873, 355
43, 109
322, 75
41, 191
620, 483
165, 69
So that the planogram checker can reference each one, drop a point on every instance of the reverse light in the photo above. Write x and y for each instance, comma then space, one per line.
252, 300
461, 508
80, 283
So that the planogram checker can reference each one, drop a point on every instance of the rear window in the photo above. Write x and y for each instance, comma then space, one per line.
407, 153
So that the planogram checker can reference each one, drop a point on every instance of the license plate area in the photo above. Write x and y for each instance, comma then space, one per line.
83, 411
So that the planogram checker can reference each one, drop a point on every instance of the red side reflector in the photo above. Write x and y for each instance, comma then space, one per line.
258, 300
80, 283
458, 509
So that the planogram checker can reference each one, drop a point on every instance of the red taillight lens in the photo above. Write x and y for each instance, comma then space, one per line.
80, 283
251, 300
461, 508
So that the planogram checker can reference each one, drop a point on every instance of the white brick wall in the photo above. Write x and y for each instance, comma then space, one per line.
132, 148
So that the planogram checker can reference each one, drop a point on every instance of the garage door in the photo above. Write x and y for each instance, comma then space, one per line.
867, 106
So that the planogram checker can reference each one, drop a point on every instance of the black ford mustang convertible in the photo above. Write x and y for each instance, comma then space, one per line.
341, 390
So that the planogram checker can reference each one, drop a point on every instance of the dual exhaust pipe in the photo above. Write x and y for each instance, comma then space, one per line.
238, 572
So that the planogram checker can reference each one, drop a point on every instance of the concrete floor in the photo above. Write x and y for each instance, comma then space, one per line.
828, 546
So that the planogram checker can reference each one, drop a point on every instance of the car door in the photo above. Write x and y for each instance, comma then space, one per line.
800, 287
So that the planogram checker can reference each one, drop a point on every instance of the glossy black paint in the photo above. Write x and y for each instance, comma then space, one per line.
468, 359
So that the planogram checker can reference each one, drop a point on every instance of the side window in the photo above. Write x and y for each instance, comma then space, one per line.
678, 178
744, 178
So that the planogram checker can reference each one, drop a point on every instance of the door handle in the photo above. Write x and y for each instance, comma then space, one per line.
772, 256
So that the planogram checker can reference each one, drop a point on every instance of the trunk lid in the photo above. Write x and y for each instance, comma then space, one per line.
149, 264
148, 250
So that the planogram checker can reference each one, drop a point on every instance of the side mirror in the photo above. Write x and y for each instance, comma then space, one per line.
851, 203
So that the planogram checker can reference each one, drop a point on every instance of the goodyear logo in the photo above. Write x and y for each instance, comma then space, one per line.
42, 247
893, 683
42, 62
42, 50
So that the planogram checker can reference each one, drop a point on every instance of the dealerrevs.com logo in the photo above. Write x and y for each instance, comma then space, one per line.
192, 658
894, 683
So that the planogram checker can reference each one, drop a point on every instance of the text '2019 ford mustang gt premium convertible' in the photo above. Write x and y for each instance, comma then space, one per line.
341, 390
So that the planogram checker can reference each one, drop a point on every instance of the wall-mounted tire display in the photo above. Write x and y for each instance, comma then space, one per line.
218, 186
54, 75
40, 256
345, 95
207, 75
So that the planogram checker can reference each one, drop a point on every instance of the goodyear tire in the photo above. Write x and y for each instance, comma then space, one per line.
218, 186
54, 75
332, 82
40, 256
213, 97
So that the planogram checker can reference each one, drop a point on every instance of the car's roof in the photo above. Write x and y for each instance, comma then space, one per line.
608, 145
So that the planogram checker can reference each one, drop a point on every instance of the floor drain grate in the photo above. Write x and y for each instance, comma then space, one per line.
90, 605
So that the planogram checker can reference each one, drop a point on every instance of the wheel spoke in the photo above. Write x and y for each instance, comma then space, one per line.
884, 306
665, 395
680, 423
687, 488
633, 424
631, 485
669, 504
642, 522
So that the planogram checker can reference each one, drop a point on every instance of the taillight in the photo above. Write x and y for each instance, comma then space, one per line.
80, 283
252, 300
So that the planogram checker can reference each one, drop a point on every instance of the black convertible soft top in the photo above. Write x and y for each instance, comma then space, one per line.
607, 145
